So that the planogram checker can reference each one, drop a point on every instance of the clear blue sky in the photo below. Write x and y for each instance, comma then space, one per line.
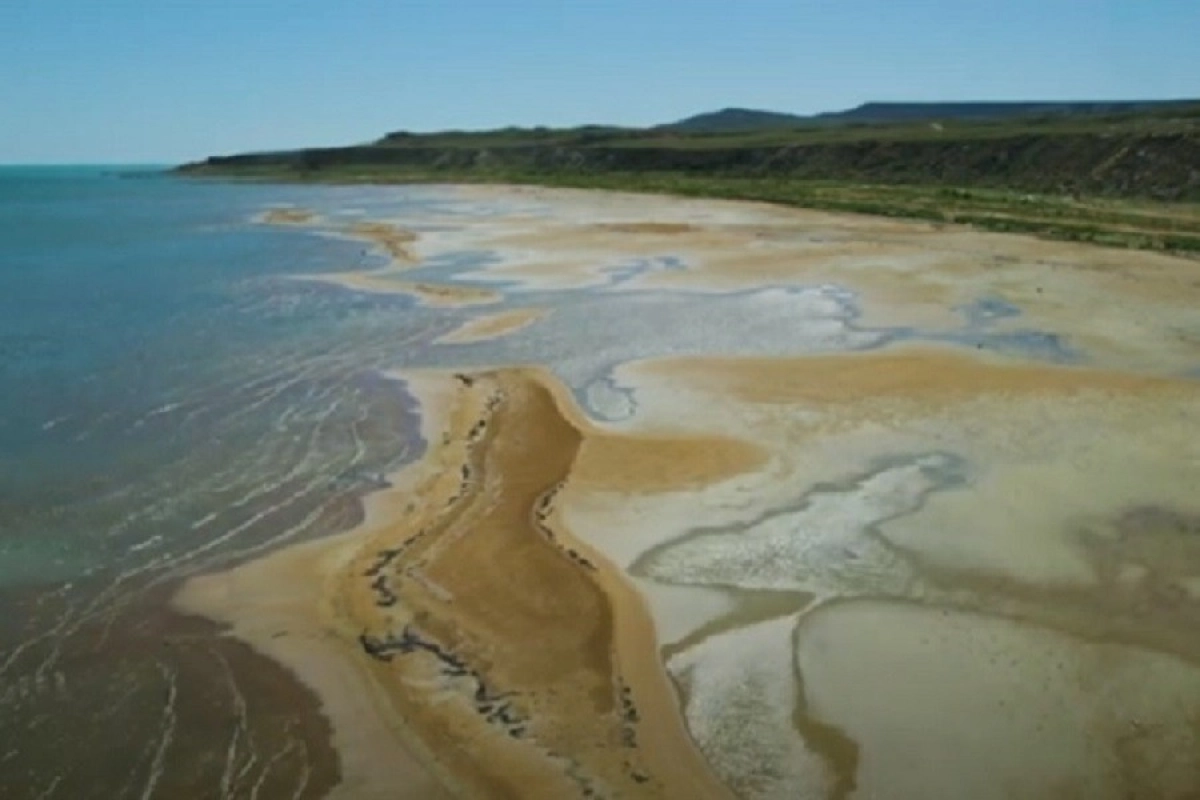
167, 80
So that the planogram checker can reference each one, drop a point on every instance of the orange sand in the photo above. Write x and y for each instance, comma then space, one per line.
469, 631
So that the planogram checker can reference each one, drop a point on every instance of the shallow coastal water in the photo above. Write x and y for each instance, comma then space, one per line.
171, 401
764, 482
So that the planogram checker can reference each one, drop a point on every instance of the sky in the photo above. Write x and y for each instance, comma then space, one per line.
164, 81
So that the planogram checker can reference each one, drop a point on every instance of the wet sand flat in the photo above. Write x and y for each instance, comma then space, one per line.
1007, 708
437, 295
396, 244
909, 520
490, 326
936, 487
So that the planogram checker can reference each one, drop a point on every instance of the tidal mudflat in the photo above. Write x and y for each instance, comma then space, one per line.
723, 499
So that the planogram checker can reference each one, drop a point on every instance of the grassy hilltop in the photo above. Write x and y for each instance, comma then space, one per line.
1111, 173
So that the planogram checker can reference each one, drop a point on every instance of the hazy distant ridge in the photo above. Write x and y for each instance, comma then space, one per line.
746, 119
1140, 149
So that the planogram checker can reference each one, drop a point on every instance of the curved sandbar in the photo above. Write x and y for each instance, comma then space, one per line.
463, 637
397, 244
288, 216
394, 241
493, 326
439, 295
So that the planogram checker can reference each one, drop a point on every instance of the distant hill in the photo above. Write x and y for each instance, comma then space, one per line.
729, 120
1148, 150
743, 119
922, 112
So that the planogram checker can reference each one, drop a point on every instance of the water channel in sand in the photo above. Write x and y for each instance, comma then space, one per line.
729, 499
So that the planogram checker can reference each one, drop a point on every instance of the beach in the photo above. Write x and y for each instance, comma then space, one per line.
555, 690
720, 499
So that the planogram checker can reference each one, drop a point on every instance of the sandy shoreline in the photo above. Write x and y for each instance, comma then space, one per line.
397, 245
561, 694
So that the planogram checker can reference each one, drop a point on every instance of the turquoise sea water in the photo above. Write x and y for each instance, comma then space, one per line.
169, 401
141, 317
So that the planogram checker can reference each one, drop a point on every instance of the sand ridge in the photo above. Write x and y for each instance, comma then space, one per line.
492, 326
397, 245
394, 241
520, 661
436, 295
288, 216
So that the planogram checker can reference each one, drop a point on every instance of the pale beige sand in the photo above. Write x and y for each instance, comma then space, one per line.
493, 326
288, 216
938, 702
438, 295
910, 374
394, 241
